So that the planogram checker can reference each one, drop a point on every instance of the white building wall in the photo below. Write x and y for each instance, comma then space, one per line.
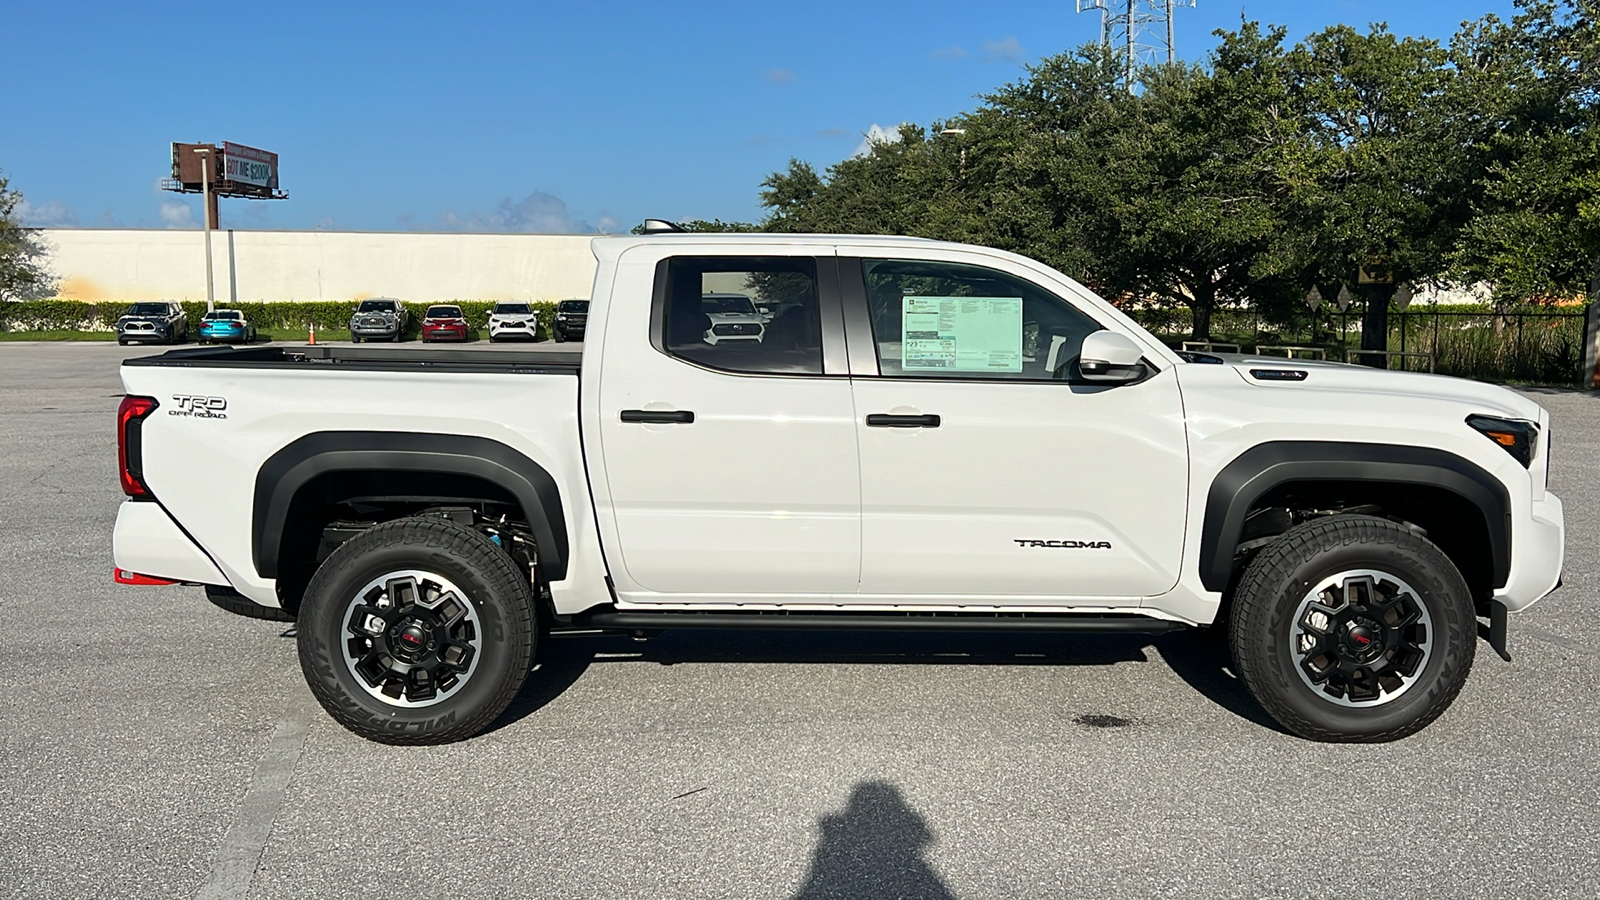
125, 265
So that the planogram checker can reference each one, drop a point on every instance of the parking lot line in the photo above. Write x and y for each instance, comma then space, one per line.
236, 860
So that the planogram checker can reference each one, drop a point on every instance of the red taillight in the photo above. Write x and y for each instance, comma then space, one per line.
130, 458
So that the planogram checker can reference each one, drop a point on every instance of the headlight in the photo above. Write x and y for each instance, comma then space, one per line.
1518, 438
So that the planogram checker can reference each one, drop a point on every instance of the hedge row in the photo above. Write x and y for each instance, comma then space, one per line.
74, 315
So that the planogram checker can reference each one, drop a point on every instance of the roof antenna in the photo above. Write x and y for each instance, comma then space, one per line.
661, 226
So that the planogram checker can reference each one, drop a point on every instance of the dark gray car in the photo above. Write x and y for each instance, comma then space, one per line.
378, 319
160, 322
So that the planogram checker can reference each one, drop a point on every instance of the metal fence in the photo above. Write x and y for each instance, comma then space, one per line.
1527, 346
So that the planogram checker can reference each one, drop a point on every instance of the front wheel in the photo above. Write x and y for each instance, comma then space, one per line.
1353, 628
416, 631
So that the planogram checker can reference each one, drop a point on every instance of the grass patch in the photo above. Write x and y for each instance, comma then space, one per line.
58, 335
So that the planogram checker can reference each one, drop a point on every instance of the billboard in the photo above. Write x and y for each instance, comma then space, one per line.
234, 170
247, 165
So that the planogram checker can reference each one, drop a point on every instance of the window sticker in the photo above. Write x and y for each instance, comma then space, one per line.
961, 334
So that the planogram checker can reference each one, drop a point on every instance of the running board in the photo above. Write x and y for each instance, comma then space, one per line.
635, 620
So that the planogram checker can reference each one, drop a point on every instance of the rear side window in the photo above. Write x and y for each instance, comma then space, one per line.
741, 314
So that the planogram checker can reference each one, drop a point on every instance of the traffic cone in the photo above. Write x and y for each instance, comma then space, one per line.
313, 338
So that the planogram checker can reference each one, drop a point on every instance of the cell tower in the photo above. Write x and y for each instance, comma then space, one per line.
1136, 32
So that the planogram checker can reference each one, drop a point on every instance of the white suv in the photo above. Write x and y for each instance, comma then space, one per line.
732, 317
512, 319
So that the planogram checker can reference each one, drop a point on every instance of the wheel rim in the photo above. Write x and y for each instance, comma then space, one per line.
411, 638
1361, 638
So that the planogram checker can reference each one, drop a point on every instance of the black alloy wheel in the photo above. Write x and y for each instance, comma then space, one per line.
417, 631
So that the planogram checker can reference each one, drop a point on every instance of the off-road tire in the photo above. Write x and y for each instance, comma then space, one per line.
232, 601
486, 574
1278, 580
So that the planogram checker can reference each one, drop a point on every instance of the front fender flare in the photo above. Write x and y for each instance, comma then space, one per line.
1266, 466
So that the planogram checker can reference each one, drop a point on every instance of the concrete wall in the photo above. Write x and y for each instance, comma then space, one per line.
125, 265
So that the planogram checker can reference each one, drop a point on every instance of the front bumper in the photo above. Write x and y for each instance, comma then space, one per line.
387, 330
1538, 551
443, 333
514, 328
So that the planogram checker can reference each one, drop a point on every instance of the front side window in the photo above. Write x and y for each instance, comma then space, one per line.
710, 313
951, 320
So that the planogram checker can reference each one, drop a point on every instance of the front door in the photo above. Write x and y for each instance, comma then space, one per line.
991, 474
729, 447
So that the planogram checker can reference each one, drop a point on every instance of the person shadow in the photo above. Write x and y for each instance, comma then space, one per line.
873, 849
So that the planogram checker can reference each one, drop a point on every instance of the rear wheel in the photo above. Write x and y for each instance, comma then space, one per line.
1353, 628
417, 631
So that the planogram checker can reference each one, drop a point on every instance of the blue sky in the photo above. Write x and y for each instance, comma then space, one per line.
528, 116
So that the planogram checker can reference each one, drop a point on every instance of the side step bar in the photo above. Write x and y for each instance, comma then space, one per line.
634, 620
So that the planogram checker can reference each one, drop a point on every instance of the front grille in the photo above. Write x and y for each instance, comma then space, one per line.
373, 323
743, 328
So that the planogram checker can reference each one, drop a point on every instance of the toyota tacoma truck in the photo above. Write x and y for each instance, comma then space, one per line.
931, 436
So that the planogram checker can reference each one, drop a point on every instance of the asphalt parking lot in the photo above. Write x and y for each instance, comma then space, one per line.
152, 745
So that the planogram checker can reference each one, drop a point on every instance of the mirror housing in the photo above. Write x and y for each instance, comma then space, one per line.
1110, 358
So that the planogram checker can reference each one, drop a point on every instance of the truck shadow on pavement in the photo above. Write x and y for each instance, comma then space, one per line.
1200, 659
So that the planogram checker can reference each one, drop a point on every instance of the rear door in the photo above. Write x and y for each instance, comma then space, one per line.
728, 448
989, 473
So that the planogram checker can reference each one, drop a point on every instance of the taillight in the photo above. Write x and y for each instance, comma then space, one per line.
130, 457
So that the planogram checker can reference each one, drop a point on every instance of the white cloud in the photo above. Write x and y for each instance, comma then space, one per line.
1004, 50
537, 213
777, 76
877, 134
54, 214
954, 51
178, 214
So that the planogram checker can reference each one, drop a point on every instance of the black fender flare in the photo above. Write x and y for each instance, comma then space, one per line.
1266, 466
289, 469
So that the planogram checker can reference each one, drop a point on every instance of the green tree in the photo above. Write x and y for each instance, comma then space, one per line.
22, 274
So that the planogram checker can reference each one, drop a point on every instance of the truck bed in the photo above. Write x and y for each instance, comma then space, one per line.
409, 357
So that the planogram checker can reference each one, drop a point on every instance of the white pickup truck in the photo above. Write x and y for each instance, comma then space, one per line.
928, 436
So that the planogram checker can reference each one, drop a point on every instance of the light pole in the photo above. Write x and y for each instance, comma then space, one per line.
959, 133
205, 195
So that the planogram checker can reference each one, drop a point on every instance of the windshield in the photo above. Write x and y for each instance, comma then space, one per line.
147, 309
376, 306
231, 315
444, 312
726, 304
573, 306
513, 309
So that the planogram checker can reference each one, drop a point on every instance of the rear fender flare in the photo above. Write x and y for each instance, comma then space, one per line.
291, 468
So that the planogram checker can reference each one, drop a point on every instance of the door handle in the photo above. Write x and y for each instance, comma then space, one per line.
884, 420
659, 417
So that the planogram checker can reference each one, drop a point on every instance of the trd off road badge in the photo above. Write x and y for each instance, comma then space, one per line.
199, 407
1066, 545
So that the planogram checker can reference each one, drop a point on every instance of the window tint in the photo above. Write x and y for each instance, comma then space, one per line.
149, 309
513, 309
711, 316
939, 319
573, 306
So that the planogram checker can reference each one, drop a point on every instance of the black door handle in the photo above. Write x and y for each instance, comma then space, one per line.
884, 420
659, 417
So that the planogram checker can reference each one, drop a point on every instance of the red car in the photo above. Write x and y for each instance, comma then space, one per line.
444, 323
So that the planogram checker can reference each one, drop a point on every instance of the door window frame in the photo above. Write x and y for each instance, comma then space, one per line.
862, 342
830, 313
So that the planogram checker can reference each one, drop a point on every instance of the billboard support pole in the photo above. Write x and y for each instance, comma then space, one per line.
205, 191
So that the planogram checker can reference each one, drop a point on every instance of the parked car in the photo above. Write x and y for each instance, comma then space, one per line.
226, 326
379, 319
513, 320
444, 323
572, 316
921, 467
731, 317
160, 322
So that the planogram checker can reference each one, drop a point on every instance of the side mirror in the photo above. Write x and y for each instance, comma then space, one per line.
1110, 358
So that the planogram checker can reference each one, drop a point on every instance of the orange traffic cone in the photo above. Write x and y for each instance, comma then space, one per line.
313, 338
